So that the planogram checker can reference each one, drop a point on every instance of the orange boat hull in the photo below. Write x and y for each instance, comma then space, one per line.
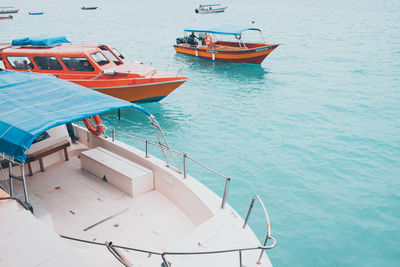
224, 51
142, 92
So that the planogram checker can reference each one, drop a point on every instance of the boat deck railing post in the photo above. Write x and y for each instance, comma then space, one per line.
147, 149
227, 181
184, 165
268, 235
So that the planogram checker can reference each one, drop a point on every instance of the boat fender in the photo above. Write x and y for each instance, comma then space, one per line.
208, 40
109, 72
90, 127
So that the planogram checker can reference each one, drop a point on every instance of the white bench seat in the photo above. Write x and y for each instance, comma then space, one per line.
124, 174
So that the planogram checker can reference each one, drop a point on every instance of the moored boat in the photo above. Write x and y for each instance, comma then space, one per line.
207, 9
89, 7
36, 13
99, 67
114, 203
8, 10
7, 17
208, 45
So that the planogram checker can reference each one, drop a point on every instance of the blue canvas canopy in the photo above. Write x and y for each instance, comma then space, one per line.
32, 103
222, 29
40, 41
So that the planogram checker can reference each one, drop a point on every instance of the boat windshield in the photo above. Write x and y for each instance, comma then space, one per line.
99, 58
111, 56
118, 53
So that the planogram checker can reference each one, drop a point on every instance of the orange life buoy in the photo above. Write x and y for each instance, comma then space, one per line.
208, 40
90, 127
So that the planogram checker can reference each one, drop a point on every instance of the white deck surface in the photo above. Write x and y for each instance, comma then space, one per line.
77, 200
76, 203
26, 241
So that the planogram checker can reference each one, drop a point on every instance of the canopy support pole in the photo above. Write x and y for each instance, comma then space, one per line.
10, 175
22, 179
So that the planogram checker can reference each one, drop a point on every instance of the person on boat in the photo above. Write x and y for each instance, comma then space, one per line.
71, 132
86, 66
192, 39
25, 64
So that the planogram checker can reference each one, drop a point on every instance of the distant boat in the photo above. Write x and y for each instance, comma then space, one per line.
89, 7
205, 9
36, 13
8, 17
237, 51
7, 10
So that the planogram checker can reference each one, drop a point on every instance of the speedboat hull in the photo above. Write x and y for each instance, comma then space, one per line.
150, 92
252, 53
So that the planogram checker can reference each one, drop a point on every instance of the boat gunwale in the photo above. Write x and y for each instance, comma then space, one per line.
234, 51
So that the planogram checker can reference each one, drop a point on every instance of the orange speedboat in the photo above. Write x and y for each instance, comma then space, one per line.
208, 46
99, 67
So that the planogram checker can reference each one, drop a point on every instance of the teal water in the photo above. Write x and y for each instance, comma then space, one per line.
314, 130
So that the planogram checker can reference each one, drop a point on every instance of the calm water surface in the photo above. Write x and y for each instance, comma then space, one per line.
314, 130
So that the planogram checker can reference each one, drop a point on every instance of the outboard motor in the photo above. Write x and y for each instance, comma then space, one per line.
183, 40
196, 10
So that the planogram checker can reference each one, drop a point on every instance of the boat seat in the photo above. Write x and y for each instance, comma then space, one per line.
54, 140
39, 155
124, 174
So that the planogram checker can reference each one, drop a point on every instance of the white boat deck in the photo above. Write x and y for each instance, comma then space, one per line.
83, 206
72, 202
26, 241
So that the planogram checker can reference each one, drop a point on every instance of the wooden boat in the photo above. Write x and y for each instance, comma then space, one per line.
7, 17
209, 47
101, 202
89, 7
207, 9
7, 10
36, 13
100, 67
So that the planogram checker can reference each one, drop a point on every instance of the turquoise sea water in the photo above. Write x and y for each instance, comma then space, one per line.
314, 130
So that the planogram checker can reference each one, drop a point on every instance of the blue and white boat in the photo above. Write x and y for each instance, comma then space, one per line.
206, 9
97, 201
36, 13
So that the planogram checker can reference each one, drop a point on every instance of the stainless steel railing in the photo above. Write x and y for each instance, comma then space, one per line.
184, 156
268, 235
163, 255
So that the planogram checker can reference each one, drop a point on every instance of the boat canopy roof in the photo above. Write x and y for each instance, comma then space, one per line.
40, 41
223, 29
32, 103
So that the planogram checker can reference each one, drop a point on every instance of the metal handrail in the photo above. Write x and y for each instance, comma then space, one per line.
163, 254
262, 248
184, 155
268, 235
